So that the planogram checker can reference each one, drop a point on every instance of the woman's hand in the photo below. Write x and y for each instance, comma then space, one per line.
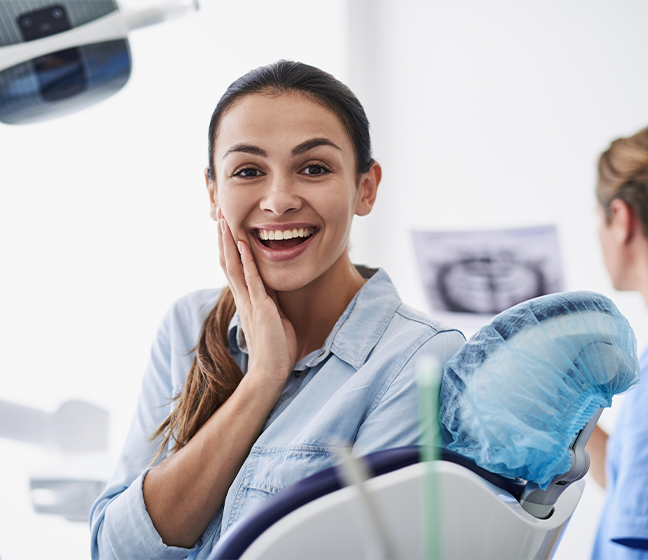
270, 337
183, 492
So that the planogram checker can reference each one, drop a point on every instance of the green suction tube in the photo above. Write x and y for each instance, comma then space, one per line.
428, 380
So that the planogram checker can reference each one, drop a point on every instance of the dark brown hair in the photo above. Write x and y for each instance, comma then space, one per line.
623, 174
214, 375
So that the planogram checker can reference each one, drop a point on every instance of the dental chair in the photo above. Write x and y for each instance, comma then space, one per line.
318, 518
508, 483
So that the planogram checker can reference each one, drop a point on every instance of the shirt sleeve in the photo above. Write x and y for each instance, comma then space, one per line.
120, 525
394, 421
629, 501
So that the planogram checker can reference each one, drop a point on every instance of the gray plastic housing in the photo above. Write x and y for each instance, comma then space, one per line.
538, 502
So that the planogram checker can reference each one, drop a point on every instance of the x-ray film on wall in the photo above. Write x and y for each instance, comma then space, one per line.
487, 271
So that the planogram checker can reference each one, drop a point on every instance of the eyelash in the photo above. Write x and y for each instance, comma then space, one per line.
238, 172
319, 164
326, 169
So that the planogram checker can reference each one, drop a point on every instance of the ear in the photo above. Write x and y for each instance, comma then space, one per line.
368, 190
213, 198
623, 222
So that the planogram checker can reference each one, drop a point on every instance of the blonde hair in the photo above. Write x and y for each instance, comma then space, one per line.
623, 174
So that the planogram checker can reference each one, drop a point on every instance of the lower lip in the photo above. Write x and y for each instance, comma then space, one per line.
284, 254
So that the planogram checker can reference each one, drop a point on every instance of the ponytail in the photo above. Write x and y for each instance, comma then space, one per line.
212, 378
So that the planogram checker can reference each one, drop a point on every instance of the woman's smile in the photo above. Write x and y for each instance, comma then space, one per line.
283, 242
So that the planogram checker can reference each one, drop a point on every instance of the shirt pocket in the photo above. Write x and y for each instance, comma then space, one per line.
271, 470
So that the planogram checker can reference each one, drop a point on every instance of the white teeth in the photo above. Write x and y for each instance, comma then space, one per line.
266, 234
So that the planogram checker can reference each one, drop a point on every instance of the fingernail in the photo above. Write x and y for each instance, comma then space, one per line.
223, 225
219, 214
240, 246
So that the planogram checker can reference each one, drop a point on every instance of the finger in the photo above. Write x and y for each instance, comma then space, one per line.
221, 254
233, 266
273, 296
252, 278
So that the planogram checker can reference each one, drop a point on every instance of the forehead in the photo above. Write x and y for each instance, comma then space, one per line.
280, 122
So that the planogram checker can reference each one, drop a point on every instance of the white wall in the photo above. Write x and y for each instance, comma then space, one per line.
490, 115
104, 223
484, 114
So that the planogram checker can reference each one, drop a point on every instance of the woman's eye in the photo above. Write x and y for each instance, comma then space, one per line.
315, 169
247, 172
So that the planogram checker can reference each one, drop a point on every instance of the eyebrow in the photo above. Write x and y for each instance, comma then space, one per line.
313, 143
297, 150
247, 149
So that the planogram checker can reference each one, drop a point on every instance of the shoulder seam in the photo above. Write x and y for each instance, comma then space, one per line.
428, 322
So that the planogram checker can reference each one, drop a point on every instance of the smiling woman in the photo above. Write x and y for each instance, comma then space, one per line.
252, 387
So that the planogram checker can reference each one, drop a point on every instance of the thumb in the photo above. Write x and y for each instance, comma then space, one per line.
272, 294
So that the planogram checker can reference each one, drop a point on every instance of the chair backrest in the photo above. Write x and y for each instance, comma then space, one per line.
482, 518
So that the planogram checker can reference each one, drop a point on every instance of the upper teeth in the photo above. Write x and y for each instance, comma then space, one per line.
284, 234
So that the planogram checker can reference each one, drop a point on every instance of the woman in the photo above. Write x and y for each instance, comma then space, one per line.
301, 353
622, 194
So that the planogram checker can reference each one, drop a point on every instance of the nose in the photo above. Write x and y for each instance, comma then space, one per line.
281, 196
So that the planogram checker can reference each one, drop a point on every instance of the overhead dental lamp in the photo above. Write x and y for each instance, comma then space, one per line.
60, 56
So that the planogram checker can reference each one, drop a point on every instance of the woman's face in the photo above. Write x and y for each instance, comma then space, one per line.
285, 180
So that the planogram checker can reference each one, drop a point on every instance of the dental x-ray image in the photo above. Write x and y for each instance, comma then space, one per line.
487, 271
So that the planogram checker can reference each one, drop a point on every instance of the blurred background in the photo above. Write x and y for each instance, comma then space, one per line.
485, 115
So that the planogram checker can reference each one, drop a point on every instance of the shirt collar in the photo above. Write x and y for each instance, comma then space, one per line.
356, 332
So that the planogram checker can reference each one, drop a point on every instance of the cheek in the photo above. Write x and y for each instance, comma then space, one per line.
235, 208
604, 237
609, 257
338, 215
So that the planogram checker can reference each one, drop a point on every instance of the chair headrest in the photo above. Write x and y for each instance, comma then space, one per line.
517, 394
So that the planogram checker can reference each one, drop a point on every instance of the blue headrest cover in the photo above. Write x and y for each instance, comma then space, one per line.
517, 394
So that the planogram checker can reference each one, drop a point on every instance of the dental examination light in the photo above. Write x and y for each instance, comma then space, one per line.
60, 56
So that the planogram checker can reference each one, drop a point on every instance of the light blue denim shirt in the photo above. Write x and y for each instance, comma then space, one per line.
359, 389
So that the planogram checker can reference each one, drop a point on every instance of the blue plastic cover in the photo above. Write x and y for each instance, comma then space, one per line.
517, 394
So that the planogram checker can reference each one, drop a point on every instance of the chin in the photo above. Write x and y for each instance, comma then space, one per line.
284, 286
285, 281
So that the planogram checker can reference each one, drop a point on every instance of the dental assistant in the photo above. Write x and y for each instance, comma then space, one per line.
620, 463
252, 387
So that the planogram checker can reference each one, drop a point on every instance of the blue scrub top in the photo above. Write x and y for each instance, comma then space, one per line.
623, 530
